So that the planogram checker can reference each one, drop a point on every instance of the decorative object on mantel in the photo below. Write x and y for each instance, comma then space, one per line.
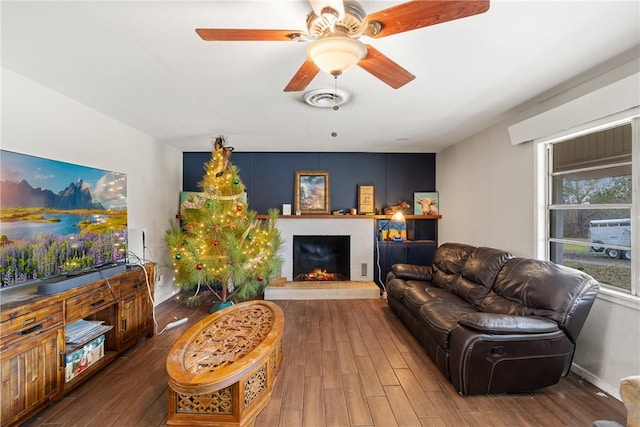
366, 199
311, 194
400, 207
394, 229
221, 248
425, 203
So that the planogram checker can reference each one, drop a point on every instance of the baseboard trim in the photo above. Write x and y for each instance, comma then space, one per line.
596, 381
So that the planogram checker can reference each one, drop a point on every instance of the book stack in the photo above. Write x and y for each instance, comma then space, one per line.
82, 331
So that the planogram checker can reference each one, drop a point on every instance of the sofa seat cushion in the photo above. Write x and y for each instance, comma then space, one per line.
416, 295
445, 295
396, 288
441, 315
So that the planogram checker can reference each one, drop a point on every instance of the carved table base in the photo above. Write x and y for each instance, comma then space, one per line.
221, 371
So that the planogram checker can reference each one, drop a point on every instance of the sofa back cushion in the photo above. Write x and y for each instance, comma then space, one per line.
528, 287
479, 273
448, 262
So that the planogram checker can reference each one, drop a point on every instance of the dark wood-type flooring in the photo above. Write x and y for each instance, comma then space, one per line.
347, 363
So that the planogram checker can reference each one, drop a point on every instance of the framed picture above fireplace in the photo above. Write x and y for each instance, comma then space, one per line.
311, 194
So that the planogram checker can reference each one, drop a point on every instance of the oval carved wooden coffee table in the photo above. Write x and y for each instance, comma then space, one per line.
221, 371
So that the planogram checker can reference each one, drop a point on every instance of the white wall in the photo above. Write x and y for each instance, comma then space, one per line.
43, 123
485, 187
609, 344
487, 198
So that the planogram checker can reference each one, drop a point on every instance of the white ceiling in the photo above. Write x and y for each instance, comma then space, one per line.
142, 64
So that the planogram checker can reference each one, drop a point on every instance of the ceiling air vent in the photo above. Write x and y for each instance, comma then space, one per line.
326, 98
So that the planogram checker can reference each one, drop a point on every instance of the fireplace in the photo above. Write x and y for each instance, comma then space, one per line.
321, 258
359, 228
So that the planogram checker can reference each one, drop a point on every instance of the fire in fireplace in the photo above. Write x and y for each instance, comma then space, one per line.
319, 274
321, 258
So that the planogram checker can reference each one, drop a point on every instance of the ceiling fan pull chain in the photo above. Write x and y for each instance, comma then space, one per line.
335, 92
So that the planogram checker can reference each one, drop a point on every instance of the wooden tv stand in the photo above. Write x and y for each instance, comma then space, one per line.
33, 350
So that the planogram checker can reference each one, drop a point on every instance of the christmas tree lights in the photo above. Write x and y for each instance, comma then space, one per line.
220, 246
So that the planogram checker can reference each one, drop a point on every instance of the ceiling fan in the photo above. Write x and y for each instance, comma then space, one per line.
334, 28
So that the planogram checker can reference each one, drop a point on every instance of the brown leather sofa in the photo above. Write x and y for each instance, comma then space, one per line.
491, 322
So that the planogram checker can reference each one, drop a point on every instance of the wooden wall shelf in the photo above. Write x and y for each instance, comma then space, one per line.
262, 216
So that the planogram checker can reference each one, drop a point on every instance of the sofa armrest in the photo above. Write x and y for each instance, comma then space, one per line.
504, 324
412, 272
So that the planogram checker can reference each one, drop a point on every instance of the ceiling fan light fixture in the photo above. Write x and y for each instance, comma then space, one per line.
335, 54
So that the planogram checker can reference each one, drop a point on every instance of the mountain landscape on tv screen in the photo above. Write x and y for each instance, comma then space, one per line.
57, 218
23, 194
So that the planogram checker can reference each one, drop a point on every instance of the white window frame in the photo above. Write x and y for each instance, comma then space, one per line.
543, 187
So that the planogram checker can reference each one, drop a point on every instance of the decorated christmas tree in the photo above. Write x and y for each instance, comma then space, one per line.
220, 247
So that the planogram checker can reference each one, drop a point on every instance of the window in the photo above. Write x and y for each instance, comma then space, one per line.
590, 203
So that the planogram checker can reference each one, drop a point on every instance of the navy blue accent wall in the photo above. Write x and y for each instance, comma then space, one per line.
269, 176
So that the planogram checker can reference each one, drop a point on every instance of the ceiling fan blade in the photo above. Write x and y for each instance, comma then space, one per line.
385, 69
422, 13
303, 76
233, 34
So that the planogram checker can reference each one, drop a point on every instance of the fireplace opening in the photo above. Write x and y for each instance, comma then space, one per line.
321, 258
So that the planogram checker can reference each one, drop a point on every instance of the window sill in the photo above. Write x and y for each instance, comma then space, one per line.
620, 298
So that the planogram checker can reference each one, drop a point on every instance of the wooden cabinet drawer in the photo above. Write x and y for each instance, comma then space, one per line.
130, 285
134, 281
28, 323
86, 304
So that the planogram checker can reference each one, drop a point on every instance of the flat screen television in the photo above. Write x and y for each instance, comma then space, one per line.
58, 219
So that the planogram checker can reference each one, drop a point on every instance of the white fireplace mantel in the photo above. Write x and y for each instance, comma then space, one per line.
361, 231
